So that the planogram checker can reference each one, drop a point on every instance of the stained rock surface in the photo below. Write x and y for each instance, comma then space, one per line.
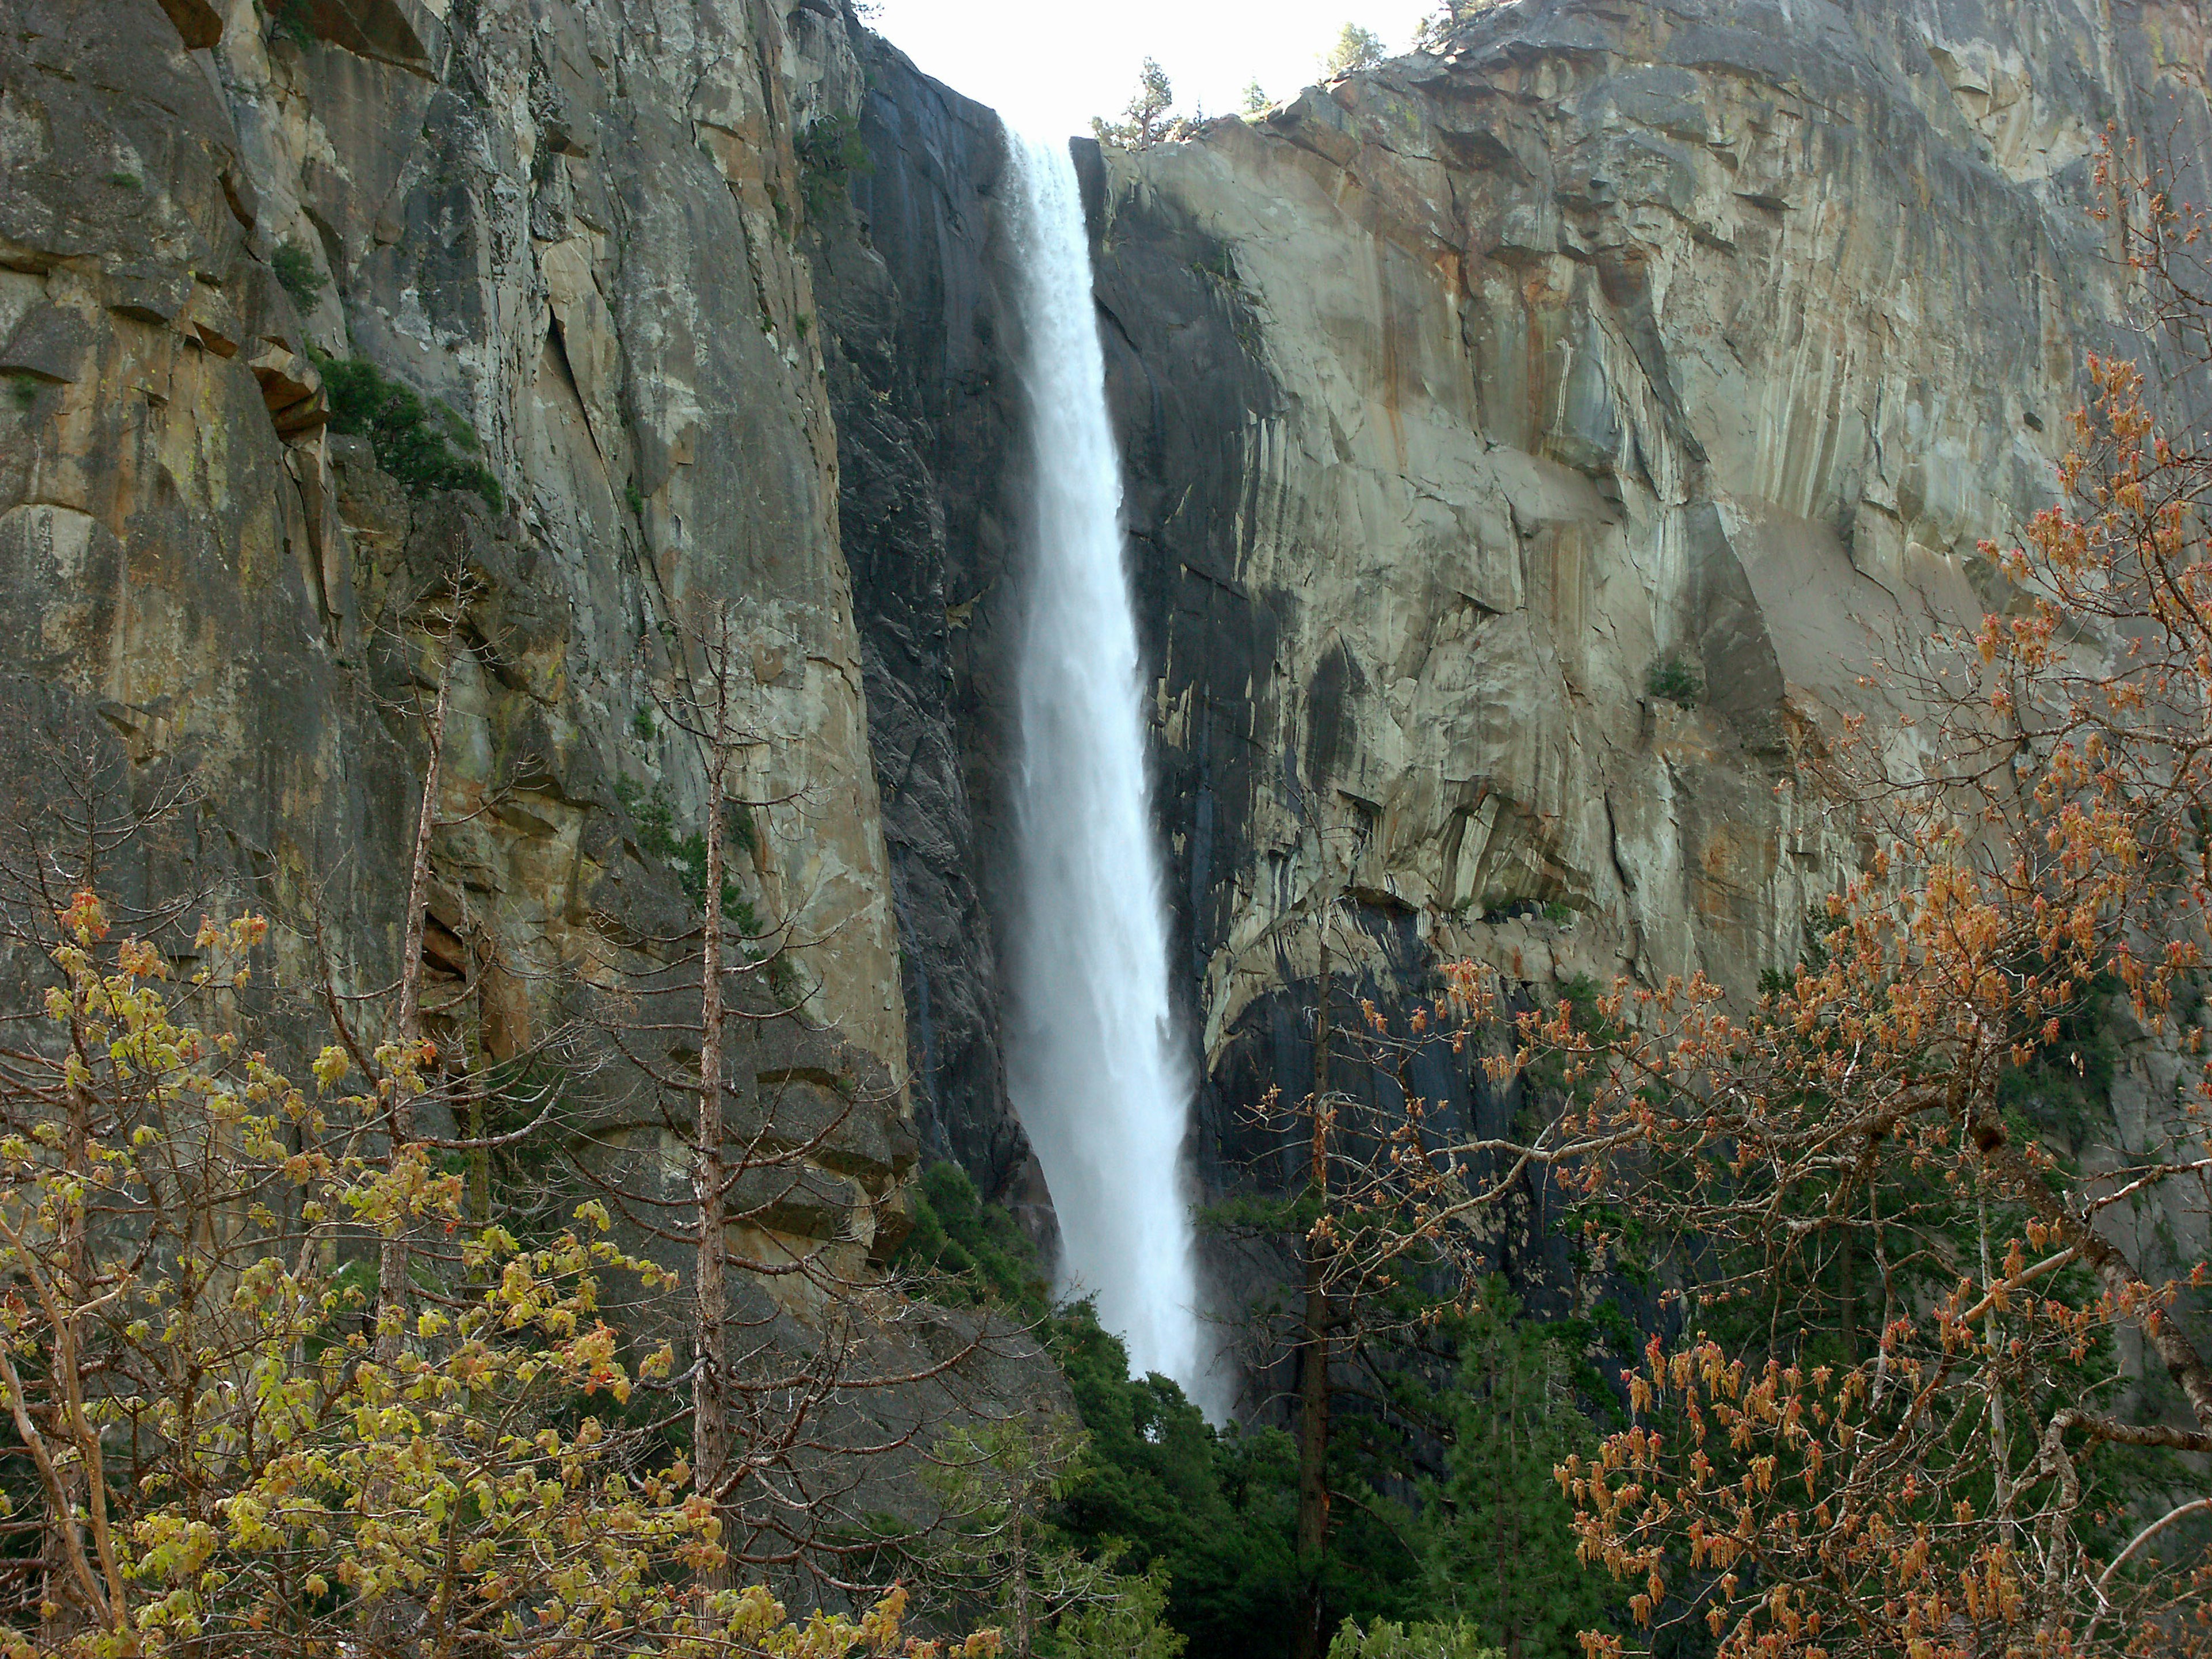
573, 227
1589, 405
1530, 446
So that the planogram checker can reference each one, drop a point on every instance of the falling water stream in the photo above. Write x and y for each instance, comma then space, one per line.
1093, 1065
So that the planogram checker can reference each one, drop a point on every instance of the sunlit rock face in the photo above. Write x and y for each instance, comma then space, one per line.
575, 225
1472, 404
1469, 407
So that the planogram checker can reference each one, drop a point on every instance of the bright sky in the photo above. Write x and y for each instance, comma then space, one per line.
1049, 65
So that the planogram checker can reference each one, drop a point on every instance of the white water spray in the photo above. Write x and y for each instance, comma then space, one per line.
1093, 1063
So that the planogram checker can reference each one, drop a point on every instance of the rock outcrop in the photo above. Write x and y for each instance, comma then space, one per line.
1581, 410
573, 226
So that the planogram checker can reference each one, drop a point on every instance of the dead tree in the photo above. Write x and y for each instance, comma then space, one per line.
810, 1378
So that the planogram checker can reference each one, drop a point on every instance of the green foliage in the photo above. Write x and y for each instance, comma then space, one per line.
317, 1462
1385, 1640
127, 181
1219, 1508
1356, 49
686, 854
1218, 1511
643, 726
296, 273
1147, 118
635, 497
1205, 1519
2068, 1082
1502, 1556
1257, 101
999, 1484
1559, 913
1583, 995
973, 1254
831, 157
1130, 1624
293, 20
1676, 681
420, 441
23, 389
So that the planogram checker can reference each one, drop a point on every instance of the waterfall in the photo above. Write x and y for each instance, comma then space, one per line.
1092, 1062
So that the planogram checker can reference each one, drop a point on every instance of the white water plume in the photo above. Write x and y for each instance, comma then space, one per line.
1093, 1065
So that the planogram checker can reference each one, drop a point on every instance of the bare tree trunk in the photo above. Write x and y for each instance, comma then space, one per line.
392, 1267
1311, 1640
1024, 1620
2000, 1468
710, 1432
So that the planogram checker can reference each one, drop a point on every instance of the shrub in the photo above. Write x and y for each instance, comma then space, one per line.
290, 20
831, 157
1677, 682
1384, 1640
296, 273
420, 441
974, 1252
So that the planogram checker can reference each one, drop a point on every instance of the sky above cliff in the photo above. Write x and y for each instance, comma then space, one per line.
1049, 65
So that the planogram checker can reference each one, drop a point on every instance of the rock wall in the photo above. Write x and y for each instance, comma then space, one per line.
575, 226
1529, 445
909, 268
1473, 405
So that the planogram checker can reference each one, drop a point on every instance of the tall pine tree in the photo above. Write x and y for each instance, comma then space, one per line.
1502, 1550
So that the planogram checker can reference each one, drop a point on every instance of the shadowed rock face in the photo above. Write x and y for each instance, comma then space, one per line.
907, 268
573, 225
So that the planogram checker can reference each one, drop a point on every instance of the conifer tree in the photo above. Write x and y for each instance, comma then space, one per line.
1356, 49
1149, 116
1503, 1555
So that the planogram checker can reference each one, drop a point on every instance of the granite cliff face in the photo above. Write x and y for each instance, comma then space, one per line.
1469, 407
1613, 348
575, 226
910, 275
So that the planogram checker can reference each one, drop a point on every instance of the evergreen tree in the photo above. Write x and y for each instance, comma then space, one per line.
1503, 1556
1356, 49
1148, 117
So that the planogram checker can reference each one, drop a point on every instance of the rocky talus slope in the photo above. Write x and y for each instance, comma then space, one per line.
573, 225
